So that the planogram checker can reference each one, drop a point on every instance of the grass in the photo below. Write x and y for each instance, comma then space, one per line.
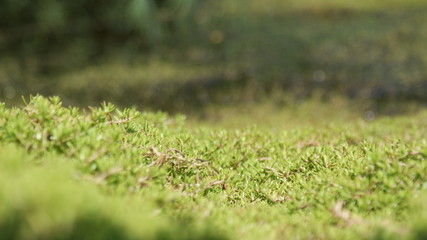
373, 50
111, 173
260, 161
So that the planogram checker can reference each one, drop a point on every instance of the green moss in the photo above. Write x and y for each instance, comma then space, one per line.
123, 174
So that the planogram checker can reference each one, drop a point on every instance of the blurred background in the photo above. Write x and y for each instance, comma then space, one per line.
192, 56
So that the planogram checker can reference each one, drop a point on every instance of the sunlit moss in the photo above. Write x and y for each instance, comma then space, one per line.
107, 173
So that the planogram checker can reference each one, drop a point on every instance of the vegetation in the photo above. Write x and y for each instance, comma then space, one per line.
304, 119
106, 173
242, 51
43, 25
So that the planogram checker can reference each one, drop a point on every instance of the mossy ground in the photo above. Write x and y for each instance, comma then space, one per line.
107, 173
310, 125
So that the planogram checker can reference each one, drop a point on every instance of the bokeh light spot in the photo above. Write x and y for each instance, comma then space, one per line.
216, 37
9, 92
369, 116
319, 76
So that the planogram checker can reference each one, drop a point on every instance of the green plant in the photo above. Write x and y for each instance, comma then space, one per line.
339, 181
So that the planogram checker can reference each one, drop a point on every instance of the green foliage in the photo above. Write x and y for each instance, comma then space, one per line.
43, 27
233, 52
331, 182
368, 49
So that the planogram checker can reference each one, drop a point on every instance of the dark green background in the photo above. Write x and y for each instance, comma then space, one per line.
185, 55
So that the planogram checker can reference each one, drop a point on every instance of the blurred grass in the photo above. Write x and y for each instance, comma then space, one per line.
246, 52
44, 198
290, 114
